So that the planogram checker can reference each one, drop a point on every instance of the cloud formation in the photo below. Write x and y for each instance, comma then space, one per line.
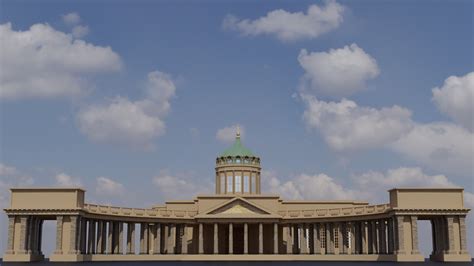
338, 72
346, 126
71, 18
64, 180
444, 147
80, 31
108, 187
456, 99
133, 123
172, 187
324, 187
287, 26
45, 63
227, 134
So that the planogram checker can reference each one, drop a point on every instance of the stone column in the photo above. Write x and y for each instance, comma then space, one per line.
246, 238
316, 239
89, 237
172, 242
73, 235
390, 236
231, 239
23, 235
414, 235
450, 235
99, 236
289, 240
104, 237
373, 233
260, 238
110, 237
144, 239
40, 237
216, 239
201, 240
340, 239
302, 234
82, 241
120, 237
115, 237
157, 239
131, 238
30, 234
400, 238
184, 240
59, 234
11, 235
352, 246
275, 238
329, 239
383, 236
462, 235
364, 234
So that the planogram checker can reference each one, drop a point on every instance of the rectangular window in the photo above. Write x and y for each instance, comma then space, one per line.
246, 184
222, 183
253, 186
336, 237
230, 184
238, 184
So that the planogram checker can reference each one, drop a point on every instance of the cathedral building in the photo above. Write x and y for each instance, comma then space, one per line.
238, 222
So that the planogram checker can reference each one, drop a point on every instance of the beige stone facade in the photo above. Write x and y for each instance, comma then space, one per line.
238, 223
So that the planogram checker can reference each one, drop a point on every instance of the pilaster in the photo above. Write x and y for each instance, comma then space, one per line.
59, 234
11, 235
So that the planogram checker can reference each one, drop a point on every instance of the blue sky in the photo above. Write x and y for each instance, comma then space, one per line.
199, 74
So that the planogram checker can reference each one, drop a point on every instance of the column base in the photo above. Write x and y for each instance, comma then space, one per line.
22, 257
67, 257
451, 257
409, 257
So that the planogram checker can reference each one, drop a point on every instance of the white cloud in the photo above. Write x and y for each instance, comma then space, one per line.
106, 186
64, 180
444, 147
172, 187
307, 186
346, 126
134, 123
287, 26
456, 99
44, 63
324, 187
339, 72
227, 134
80, 31
72, 18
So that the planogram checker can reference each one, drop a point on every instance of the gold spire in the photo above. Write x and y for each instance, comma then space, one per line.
237, 136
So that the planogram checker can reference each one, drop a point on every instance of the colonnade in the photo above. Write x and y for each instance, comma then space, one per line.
396, 234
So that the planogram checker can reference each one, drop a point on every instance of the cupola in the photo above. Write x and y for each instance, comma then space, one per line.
237, 170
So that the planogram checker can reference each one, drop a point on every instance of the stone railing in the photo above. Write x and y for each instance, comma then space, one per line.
138, 212
289, 214
335, 212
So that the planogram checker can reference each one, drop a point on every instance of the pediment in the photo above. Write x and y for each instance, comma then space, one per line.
238, 208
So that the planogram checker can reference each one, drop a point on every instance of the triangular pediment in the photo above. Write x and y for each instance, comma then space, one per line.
239, 208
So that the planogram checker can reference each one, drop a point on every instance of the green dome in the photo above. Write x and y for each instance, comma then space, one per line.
237, 149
